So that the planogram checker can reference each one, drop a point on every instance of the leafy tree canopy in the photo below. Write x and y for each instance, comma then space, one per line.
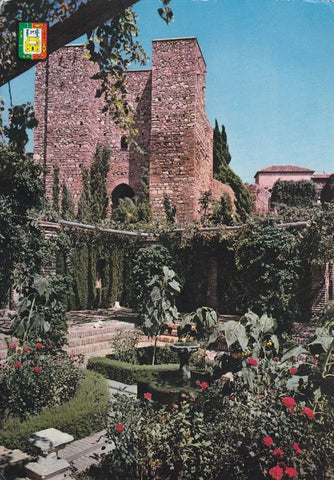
302, 193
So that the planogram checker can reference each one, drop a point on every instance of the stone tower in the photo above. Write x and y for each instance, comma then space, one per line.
175, 136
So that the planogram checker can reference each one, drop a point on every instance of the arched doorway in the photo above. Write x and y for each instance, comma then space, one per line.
121, 191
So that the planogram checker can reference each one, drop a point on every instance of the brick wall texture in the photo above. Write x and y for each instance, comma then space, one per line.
175, 136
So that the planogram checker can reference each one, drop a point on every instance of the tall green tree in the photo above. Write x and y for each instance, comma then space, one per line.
224, 173
302, 193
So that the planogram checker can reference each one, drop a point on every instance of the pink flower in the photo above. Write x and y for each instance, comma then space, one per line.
184, 395
119, 427
26, 349
293, 370
175, 406
17, 364
314, 361
289, 403
48, 347
39, 346
268, 441
204, 385
295, 446
276, 473
276, 359
37, 369
12, 346
291, 472
308, 412
253, 362
278, 453
148, 396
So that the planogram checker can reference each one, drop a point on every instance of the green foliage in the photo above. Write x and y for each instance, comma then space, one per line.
170, 210
126, 372
294, 194
55, 188
271, 272
198, 324
223, 172
93, 203
327, 313
222, 211
124, 345
160, 309
126, 212
144, 208
147, 262
20, 190
82, 415
167, 443
204, 206
36, 377
67, 204
327, 193
21, 117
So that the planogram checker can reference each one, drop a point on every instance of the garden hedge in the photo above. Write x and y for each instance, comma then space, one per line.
126, 372
84, 414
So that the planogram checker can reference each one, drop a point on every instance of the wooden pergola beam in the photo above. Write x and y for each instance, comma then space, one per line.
87, 17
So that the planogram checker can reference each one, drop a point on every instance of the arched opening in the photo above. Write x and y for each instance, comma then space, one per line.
124, 143
121, 191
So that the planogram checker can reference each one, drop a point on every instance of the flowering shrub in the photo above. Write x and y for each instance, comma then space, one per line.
36, 377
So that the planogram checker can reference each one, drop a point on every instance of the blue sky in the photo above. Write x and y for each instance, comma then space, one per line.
270, 75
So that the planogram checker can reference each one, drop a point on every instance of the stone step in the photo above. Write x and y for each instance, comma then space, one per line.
119, 387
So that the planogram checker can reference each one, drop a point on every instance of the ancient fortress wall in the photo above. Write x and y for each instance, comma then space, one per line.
175, 136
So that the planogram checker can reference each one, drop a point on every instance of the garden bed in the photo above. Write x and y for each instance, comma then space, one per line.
84, 414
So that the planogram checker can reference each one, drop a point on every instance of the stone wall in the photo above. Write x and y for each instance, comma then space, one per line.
175, 137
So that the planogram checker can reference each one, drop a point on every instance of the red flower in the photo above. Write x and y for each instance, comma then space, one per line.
314, 361
253, 362
26, 349
148, 396
278, 453
308, 412
119, 427
39, 346
276, 359
37, 369
276, 473
17, 364
268, 441
289, 403
204, 385
293, 370
295, 446
291, 472
13, 346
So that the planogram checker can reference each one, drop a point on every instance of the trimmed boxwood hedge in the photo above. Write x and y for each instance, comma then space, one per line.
126, 372
84, 414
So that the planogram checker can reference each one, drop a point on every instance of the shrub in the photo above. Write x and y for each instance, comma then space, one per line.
125, 372
84, 414
35, 378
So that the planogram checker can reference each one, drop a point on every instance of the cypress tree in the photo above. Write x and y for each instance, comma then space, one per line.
67, 204
98, 183
223, 172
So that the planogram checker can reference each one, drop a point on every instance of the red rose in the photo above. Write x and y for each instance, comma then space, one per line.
37, 369
276, 473
39, 346
204, 385
119, 427
253, 362
289, 403
17, 364
308, 412
291, 472
295, 446
268, 441
278, 453
314, 361
148, 396
13, 346
293, 370
26, 349
276, 359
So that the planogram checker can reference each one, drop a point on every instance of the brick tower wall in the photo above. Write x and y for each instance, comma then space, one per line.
71, 124
180, 133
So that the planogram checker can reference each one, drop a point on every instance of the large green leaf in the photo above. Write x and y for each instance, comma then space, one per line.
293, 352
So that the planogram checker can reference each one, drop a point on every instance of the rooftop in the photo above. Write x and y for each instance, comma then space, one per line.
284, 169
